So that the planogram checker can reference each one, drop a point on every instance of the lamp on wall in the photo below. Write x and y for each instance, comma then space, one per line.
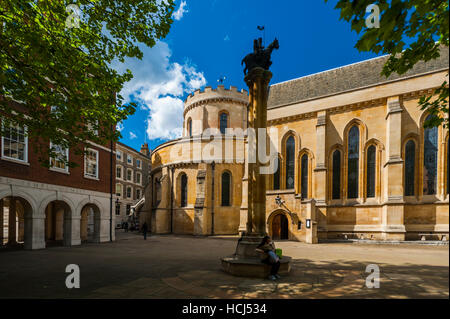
279, 201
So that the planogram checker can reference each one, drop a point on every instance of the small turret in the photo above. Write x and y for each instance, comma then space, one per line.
145, 150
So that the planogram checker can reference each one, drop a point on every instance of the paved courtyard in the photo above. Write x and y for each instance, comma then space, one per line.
187, 267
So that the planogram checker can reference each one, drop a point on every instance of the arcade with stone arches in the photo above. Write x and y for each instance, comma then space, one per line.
32, 222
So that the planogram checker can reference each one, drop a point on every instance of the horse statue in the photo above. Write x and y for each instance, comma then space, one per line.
260, 56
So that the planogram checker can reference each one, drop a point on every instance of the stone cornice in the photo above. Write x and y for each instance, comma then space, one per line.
212, 100
346, 108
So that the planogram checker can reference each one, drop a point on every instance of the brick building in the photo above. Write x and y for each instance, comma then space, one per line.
132, 176
57, 205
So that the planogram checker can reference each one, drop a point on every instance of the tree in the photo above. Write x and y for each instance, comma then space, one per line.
55, 58
423, 23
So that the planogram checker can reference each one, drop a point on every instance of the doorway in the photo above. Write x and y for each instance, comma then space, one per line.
280, 227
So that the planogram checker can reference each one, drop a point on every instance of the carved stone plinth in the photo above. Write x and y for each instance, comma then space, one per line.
253, 267
247, 262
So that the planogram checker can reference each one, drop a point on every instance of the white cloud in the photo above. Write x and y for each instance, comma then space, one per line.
159, 86
177, 15
132, 136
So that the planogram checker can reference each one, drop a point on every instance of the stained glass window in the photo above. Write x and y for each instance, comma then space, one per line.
184, 190
226, 183
371, 159
337, 174
430, 160
304, 176
410, 162
223, 122
276, 176
290, 162
353, 162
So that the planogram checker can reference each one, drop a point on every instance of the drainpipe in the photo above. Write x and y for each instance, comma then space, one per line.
111, 193
172, 169
213, 166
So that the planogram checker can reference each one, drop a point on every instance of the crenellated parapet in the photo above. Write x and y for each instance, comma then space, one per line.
220, 94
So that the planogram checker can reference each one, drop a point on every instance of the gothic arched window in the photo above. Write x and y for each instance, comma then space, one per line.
336, 175
226, 186
410, 163
304, 176
371, 160
290, 162
353, 162
276, 176
430, 145
184, 190
223, 122
189, 126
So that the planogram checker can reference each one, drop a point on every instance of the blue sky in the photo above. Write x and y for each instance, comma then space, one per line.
209, 38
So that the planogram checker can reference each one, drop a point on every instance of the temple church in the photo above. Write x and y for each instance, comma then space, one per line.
354, 160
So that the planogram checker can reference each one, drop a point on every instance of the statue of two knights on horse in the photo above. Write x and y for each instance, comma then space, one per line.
260, 56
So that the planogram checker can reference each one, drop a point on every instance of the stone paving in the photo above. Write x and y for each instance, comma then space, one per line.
181, 267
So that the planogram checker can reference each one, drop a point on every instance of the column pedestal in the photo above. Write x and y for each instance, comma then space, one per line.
246, 262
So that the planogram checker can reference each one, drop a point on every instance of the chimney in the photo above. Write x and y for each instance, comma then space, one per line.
145, 150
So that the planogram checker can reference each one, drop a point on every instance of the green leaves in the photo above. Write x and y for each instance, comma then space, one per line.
423, 23
45, 64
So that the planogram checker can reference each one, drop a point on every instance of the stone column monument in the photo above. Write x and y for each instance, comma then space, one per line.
246, 261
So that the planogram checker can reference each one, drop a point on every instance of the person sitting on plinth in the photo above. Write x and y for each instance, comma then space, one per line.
268, 256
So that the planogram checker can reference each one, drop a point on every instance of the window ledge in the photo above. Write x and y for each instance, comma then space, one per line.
93, 178
56, 170
12, 160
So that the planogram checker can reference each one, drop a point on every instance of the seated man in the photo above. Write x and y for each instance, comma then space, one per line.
268, 256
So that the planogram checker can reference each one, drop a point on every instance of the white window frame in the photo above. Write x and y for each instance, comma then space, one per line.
57, 169
90, 128
140, 178
132, 175
131, 192
129, 159
121, 155
121, 190
5, 157
96, 164
121, 172
138, 161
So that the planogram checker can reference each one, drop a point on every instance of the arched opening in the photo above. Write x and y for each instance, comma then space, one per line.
280, 227
290, 163
58, 224
90, 224
336, 178
223, 122
353, 163
304, 176
371, 171
430, 160
189, 127
14, 216
410, 170
184, 190
226, 189
277, 174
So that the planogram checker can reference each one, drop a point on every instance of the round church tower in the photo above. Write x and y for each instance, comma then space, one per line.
215, 109
192, 195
